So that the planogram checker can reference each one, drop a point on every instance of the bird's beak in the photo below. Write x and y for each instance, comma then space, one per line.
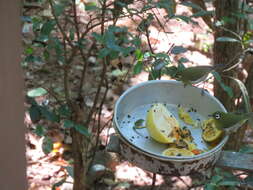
209, 115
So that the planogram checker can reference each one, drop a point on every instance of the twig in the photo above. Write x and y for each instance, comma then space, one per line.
59, 25
183, 182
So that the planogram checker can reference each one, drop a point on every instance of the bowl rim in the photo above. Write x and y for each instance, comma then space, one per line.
161, 157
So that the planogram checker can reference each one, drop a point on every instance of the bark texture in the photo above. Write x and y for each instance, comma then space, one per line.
224, 52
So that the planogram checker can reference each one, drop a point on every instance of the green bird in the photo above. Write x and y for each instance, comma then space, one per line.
230, 122
196, 74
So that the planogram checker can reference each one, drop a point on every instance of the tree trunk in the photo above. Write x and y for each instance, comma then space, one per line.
80, 150
224, 52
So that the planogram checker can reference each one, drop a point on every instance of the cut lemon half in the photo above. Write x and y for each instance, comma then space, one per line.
210, 132
185, 116
161, 123
177, 152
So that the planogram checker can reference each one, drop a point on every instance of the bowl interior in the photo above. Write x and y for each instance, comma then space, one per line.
134, 103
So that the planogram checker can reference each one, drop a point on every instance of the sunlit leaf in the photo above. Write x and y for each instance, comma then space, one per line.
47, 145
29, 50
90, 6
226, 39
36, 92
138, 67
118, 72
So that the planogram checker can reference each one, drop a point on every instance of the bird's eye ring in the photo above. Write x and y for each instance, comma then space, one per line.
217, 116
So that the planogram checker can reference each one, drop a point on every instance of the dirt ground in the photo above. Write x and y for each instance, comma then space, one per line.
45, 170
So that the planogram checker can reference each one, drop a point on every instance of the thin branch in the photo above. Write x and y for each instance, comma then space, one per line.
59, 25
84, 70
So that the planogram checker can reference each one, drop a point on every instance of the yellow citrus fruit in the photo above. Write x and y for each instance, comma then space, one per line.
161, 123
177, 152
185, 116
210, 131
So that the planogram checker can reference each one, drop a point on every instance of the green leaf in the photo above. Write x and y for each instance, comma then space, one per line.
64, 111
162, 55
139, 122
202, 13
191, 5
58, 184
47, 145
47, 27
138, 67
36, 92
59, 8
90, 6
98, 37
40, 130
49, 115
186, 19
103, 53
226, 88
154, 74
70, 171
229, 183
139, 54
34, 113
178, 49
159, 64
118, 73
246, 149
244, 93
171, 71
72, 34
210, 187
68, 124
183, 60
216, 179
46, 55
82, 129
227, 39
29, 51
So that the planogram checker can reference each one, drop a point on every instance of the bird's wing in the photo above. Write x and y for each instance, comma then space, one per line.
234, 128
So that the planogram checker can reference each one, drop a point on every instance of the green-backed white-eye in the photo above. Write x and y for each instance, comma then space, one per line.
230, 122
194, 75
